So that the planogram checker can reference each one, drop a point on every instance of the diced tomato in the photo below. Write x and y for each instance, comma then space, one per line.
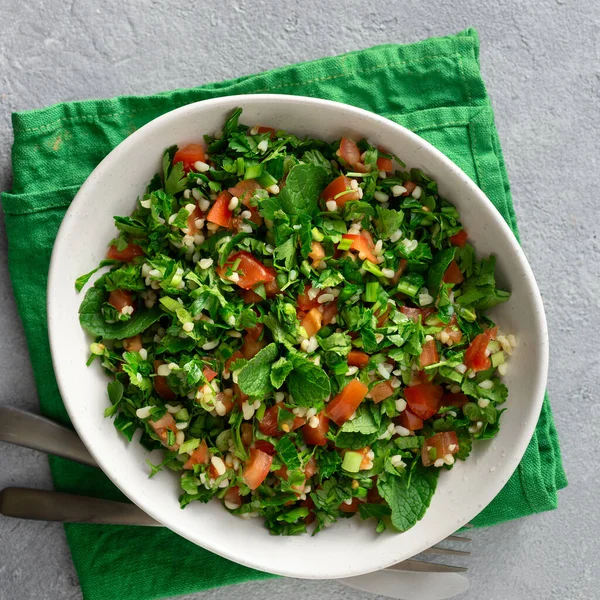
381, 391
459, 239
453, 274
268, 424
209, 373
424, 399
339, 187
310, 517
304, 302
252, 342
251, 297
161, 387
219, 212
311, 468
492, 332
444, 442
401, 268
342, 407
127, 254
232, 496
429, 354
410, 187
265, 447
350, 153
257, 468
250, 270
235, 356
382, 317
188, 155
418, 377
317, 253
350, 508
316, 436
457, 399
330, 310
414, 313
453, 332
244, 190
409, 420
363, 245
373, 496
198, 457
246, 434
358, 359
312, 322
133, 344
191, 220
366, 461
385, 164
119, 299
226, 397
263, 129
162, 426
475, 356
238, 395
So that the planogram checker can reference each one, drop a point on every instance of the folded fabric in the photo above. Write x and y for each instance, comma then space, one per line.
433, 87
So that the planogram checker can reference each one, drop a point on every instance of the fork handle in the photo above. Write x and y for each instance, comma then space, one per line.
33, 431
44, 505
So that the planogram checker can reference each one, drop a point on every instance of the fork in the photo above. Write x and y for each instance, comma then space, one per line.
33, 431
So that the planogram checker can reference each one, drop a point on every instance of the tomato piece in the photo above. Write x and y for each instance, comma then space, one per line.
257, 468
457, 399
209, 373
133, 344
350, 153
238, 395
188, 155
246, 434
350, 508
235, 356
381, 391
492, 332
418, 377
358, 359
250, 270
219, 212
409, 420
340, 191
382, 317
226, 397
312, 322
244, 190
342, 407
304, 302
429, 354
363, 245
198, 457
262, 129
268, 424
459, 239
385, 164
161, 387
311, 468
162, 426
373, 495
444, 442
475, 356
119, 299
127, 254
401, 268
453, 274
414, 313
330, 310
424, 399
317, 253
252, 342
265, 447
232, 496
316, 436
410, 187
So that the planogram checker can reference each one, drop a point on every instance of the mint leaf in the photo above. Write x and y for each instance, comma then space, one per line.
308, 384
255, 378
303, 186
279, 371
440, 264
91, 319
408, 499
365, 422
289, 455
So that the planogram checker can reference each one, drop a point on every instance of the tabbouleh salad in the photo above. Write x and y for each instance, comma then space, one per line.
300, 326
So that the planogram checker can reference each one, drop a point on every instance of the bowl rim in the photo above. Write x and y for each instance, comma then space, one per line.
124, 147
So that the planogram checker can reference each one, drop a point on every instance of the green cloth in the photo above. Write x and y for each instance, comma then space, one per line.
432, 87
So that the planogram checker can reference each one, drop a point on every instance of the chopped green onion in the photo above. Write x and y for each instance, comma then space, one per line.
351, 462
170, 303
266, 180
371, 290
253, 171
97, 349
345, 244
408, 288
468, 314
374, 269
182, 415
317, 235
497, 359
260, 413
222, 441
432, 453
189, 446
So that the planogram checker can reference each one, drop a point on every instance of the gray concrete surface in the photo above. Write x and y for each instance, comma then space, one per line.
540, 62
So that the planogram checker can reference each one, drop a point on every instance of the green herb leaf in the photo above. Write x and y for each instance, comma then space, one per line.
255, 378
308, 384
303, 185
279, 371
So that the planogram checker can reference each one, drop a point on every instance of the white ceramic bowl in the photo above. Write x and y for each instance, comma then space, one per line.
350, 547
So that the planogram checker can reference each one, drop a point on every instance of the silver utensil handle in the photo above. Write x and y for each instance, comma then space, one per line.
27, 503
33, 431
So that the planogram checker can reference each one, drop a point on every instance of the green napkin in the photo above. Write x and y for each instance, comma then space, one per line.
433, 87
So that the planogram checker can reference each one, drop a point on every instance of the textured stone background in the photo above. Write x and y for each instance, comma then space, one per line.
540, 62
